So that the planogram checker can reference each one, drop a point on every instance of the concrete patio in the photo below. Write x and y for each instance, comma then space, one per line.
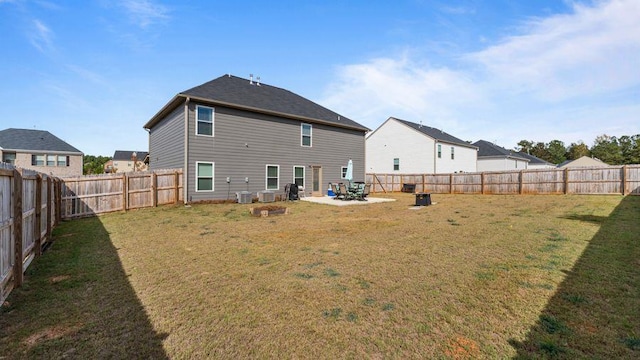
329, 200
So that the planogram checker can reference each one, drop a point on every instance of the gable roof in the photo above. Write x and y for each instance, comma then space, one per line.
245, 94
534, 160
434, 133
583, 161
125, 155
487, 149
33, 140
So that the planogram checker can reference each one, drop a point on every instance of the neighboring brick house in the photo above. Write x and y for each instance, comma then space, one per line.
233, 134
403, 147
127, 161
41, 151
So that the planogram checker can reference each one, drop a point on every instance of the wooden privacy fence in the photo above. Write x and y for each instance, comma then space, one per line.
624, 180
28, 213
90, 195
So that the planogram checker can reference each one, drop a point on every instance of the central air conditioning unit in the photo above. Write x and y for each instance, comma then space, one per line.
266, 196
244, 197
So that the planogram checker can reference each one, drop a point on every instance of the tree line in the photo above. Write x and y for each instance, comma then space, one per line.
609, 149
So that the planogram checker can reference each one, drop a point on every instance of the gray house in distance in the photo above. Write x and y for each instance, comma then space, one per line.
233, 134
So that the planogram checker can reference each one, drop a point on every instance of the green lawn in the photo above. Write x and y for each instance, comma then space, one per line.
469, 277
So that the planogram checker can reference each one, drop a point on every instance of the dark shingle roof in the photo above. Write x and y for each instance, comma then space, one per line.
435, 133
487, 149
126, 155
534, 159
237, 92
33, 140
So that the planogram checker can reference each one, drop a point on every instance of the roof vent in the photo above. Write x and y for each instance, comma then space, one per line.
420, 127
258, 81
250, 79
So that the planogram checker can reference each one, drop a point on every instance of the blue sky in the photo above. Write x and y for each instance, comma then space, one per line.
94, 72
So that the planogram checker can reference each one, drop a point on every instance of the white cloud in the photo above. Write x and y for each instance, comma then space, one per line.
145, 12
41, 37
565, 77
591, 51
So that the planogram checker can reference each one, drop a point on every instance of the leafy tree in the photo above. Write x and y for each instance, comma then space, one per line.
94, 164
525, 146
607, 149
540, 150
630, 149
577, 150
557, 150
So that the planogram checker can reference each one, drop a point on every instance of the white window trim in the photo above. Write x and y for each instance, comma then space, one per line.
304, 174
343, 172
302, 135
213, 120
213, 176
266, 176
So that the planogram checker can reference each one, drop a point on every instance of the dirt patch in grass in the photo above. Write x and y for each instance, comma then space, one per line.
509, 279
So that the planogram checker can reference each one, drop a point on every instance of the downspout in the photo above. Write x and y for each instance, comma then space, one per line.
435, 155
185, 173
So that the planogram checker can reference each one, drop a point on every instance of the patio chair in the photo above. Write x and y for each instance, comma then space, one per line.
365, 192
336, 191
346, 195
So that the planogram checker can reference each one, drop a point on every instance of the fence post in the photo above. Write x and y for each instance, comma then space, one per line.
50, 206
38, 224
176, 186
154, 189
624, 180
18, 270
57, 185
424, 184
482, 183
520, 183
450, 183
566, 181
125, 195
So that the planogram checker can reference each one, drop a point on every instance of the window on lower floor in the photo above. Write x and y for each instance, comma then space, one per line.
273, 178
37, 160
9, 158
298, 175
343, 172
204, 176
396, 164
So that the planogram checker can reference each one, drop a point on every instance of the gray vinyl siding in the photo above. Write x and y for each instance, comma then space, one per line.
166, 142
245, 142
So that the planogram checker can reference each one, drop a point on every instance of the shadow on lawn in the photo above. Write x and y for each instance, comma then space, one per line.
77, 302
595, 312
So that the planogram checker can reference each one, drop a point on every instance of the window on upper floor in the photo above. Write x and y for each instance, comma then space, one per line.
51, 160
204, 120
37, 160
439, 151
9, 158
204, 176
298, 176
272, 181
396, 164
453, 154
305, 134
63, 160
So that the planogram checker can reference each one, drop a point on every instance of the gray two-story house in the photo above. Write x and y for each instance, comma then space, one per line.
233, 134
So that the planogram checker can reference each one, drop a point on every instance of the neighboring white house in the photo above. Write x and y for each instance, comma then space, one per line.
403, 147
492, 157
584, 161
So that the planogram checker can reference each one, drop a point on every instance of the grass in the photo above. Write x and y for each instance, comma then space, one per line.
516, 276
